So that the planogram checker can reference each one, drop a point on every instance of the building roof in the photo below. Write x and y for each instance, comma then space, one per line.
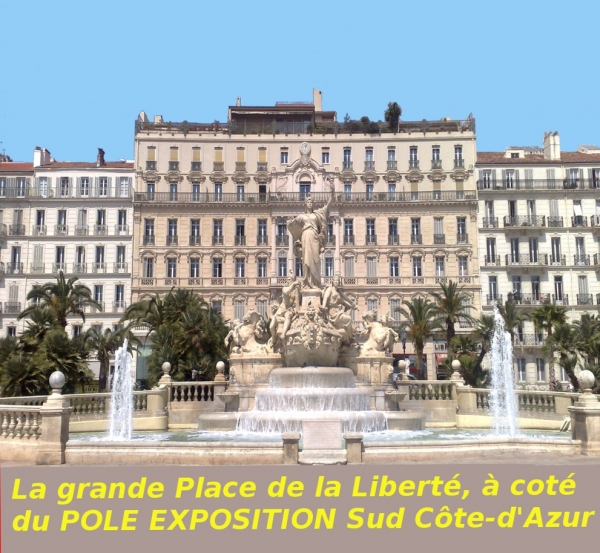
16, 167
86, 165
490, 158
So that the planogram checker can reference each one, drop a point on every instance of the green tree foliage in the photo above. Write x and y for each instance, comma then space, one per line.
545, 318
452, 307
392, 115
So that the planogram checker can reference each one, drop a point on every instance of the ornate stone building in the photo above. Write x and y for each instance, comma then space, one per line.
539, 226
212, 203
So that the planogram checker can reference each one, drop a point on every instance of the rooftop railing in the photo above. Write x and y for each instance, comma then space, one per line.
538, 184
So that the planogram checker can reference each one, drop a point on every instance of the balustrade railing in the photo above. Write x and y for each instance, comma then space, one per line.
20, 422
182, 392
427, 390
525, 221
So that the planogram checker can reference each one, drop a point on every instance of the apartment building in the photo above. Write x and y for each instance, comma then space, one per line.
213, 200
74, 217
539, 226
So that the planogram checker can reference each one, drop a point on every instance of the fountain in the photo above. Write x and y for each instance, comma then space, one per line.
502, 392
121, 399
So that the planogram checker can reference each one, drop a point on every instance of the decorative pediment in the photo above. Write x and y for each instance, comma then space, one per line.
195, 176
372, 253
240, 177
369, 176
173, 176
150, 176
172, 253
392, 176
218, 176
414, 176
348, 176
437, 175
459, 175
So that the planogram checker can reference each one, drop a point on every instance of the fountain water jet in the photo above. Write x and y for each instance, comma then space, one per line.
121, 399
502, 393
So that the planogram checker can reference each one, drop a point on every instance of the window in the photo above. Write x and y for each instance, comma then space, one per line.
284, 157
65, 186
217, 305
348, 227
124, 183
521, 369
461, 226
101, 217
262, 267
217, 267
149, 227
349, 267
98, 293
347, 155
393, 227
328, 258
391, 153
435, 153
217, 227
458, 153
417, 267
11, 331
84, 187
194, 267
370, 189
348, 191
304, 190
171, 267
370, 227
240, 192
75, 331
99, 254
395, 309
150, 190
261, 307
122, 219
298, 271
325, 157
172, 227
371, 304
240, 226
281, 228
240, 267
148, 267
510, 179
103, 187
466, 303
516, 286
282, 267
60, 256
440, 266
392, 190
173, 191
493, 288
394, 267
555, 246
195, 192
413, 156
120, 294
463, 265
416, 226
262, 227
194, 227
238, 309
540, 365
535, 288
80, 254
438, 230
371, 266
218, 191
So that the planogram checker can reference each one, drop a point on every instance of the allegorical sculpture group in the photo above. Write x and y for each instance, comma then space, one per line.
311, 323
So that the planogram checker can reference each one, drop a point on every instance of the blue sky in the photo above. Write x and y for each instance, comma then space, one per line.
75, 74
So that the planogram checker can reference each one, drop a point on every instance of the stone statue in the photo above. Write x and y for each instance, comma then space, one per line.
334, 304
247, 335
309, 232
380, 336
284, 314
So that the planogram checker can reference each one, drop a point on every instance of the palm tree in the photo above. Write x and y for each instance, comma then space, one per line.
484, 329
463, 344
104, 344
63, 298
20, 377
452, 306
587, 332
545, 318
41, 321
422, 322
392, 115
563, 341
513, 317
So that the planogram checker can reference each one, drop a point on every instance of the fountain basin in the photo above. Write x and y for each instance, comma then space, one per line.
312, 377
312, 399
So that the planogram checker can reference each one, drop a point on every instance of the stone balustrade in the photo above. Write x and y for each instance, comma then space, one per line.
421, 390
20, 422
181, 392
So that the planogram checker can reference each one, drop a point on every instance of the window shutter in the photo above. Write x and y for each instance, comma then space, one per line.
503, 178
218, 154
174, 154
13, 293
109, 186
516, 178
262, 155
240, 155
195, 154
494, 178
528, 178
550, 175
480, 177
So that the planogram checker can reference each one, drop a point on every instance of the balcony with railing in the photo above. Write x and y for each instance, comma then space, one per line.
61, 230
172, 240
217, 240
148, 240
462, 238
585, 299
492, 299
347, 165
527, 298
38, 268
369, 165
392, 165
413, 163
598, 299
240, 166
579, 221
120, 267
595, 221
15, 191
99, 267
490, 222
14, 268
196, 166
439, 238
459, 163
122, 229
39, 230
218, 166
3, 232
240, 240
79, 268
262, 240
393, 239
537, 184
555, 222
12, 307
119, 306
97, 308
371, 239
560, 299
282, 240
597, 259
416, 238
529, 340
194, 240
492, 260
525, 221
436, 164
581, 259
100, 230
557, 260
16, 230
525, 259
81, 230
173, 166
348, 239
262, 166
59, 267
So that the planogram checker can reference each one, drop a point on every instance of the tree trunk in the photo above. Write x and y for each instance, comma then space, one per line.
450, 333
419, 361
102, 375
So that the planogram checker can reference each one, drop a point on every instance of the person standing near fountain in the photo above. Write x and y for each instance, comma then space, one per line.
309, 232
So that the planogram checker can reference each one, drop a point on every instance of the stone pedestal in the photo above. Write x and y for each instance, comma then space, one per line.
585, 416
251, 371
354, 445
310, 295
290, 447
55, 425
374, 369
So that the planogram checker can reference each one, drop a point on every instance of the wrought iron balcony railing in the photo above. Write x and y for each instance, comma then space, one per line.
194, 240
172, 240
282, 240
393, 239
527, 259
392, 165
490, 222
371, 239
581, 259
217, 240
585, 299
491, 299
492, 260
525, 221
348, 239
240, 240
462, 238
416, 238
579, 221
148, 240
439, 238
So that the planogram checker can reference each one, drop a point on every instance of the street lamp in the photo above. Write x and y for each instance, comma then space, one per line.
403, 338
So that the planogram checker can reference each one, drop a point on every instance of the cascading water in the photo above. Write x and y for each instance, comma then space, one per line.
121, 398
502, 392
311, 393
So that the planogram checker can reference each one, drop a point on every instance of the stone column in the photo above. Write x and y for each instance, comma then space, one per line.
220, 386
290, 447
354, 445
55, 424
585, 416
338, 239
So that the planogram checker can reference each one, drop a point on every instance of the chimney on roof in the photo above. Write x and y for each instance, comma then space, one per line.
551, 145
41, 156
100, 158
238, 101
318, 99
